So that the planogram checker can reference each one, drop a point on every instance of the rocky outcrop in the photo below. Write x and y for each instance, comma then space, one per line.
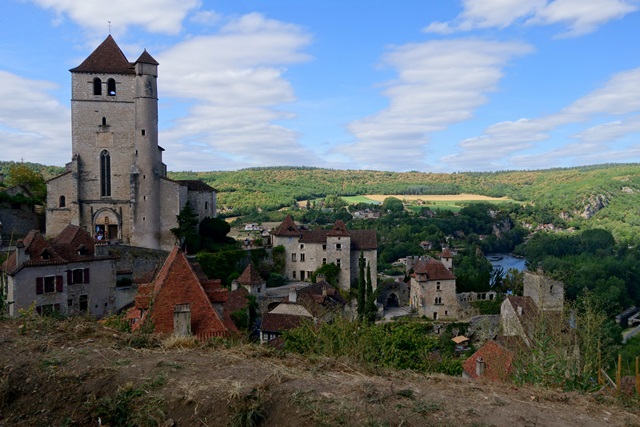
594, 204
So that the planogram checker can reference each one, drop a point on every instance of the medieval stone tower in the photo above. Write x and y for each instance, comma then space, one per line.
115, 185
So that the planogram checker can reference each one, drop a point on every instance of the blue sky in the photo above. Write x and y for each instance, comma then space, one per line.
430, 85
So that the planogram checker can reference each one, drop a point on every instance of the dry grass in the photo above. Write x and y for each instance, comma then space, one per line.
177, 342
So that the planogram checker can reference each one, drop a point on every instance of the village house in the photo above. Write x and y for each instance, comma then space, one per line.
307, 250
116, 185
250, 280
317, 303
492, 362
64, 275
181, 300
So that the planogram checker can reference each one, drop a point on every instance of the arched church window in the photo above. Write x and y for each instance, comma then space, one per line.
105, 174
111, 87
62, 202
97, 86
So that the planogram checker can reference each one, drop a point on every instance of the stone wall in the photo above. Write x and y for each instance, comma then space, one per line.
16, 223
137, 260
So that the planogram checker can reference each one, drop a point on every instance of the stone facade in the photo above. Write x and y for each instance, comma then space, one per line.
546, 293
63, 275
115, 185
307, 250
433, 290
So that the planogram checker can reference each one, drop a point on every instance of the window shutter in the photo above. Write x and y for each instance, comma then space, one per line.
39, 285
69, 277
59, 284
86, 275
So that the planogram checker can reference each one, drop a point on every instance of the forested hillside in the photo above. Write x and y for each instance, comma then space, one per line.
606, 195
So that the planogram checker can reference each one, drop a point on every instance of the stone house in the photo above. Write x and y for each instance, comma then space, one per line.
116, 185
63, 275
251, 281
433, 290
306, 250
518, 317
546, 293
181, 300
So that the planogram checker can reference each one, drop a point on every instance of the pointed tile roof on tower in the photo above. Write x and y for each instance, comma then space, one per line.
288, 228
146, 58
339, 230
250, 276
107, 58
434, 270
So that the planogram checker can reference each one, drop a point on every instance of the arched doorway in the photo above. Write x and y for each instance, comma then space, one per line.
392, 300
106, 225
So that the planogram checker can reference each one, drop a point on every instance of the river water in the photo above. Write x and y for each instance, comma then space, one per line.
506, 261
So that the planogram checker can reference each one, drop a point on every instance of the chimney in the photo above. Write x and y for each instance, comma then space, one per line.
519, 310
293, 295
21, 254
480, 365
324, 290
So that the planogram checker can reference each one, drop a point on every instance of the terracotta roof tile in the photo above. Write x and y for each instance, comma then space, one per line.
434, 270
339, 230
250, 276
498, 362
288, 228
107, 58
274, 322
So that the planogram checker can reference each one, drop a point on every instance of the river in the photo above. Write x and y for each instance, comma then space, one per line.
506, 261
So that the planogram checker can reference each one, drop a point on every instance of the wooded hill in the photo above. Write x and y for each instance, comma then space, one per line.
606, 195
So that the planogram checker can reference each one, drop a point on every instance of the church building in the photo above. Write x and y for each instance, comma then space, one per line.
116, 185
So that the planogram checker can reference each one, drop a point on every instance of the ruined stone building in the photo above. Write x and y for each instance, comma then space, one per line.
116, 185
306, 250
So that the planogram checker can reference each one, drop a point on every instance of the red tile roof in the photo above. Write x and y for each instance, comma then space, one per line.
275, 322
339, 230
434, 270
73, 244
250, 276
360, 239
178, 283
288, 228
498, 362
107, 58
446, 253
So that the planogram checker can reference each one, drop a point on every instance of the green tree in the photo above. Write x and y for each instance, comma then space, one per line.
361, 287
393, 205
213, 231
21, 174
187, 232
370, 305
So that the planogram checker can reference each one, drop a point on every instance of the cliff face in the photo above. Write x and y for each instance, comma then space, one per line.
594, 204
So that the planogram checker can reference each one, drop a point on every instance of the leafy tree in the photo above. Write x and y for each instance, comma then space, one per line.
393, 205
213, 231
276, 280
187, 232
330, 271
279, 259
21, 174
370, 305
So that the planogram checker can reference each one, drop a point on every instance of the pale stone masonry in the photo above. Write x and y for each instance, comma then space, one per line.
306, 250
115, 186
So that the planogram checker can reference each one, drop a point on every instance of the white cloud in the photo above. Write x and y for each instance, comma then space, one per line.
579, 16
33, 124
619, 96
206, 17
236, 80
156, 16
439, 83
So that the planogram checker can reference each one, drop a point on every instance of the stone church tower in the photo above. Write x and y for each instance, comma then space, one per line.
115, 185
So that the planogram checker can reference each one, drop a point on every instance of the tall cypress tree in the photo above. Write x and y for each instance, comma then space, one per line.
361, 288
370, 305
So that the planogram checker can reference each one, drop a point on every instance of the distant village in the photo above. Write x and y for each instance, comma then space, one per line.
109, 246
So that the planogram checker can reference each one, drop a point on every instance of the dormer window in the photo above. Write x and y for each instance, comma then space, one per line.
97, 86
111, 87
45, 254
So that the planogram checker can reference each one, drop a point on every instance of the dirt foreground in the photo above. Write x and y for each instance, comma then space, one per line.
79, 373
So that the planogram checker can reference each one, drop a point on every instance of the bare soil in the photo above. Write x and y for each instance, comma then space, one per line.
80, 373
